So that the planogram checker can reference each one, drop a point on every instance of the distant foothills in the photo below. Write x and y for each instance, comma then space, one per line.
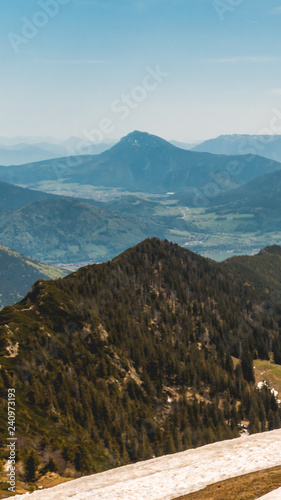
20, 150
88, 208
141, 162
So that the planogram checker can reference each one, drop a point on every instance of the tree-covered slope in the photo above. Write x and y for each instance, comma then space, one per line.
129, 359
261, 271
64, 230
18, 273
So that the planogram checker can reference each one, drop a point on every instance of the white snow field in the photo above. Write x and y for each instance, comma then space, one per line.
274, 495
171, 476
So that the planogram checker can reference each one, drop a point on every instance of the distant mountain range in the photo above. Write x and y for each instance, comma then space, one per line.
268, 146
131, 359
141, 162
18, 273
27, 151
21, 150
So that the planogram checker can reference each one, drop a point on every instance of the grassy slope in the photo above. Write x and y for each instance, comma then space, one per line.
269, 372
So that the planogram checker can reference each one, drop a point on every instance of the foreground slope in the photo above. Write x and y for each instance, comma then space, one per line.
131, 359
169, 477
18, 273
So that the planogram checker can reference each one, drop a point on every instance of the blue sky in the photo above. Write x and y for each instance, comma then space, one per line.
85, 67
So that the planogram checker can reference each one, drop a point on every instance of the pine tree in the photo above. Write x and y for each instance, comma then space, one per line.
254, 423
30, 466
247, 365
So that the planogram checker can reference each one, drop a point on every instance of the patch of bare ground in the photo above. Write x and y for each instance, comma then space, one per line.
50, 480
246, 487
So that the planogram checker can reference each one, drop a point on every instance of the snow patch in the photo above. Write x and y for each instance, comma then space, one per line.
170, 476
260, 385
274, 495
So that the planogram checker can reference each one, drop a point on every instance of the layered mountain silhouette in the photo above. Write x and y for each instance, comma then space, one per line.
24, 150
142, 162
268, 146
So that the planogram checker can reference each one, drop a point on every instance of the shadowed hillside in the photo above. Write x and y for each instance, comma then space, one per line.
18, 273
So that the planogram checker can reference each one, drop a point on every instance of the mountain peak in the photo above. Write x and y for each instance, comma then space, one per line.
143, 139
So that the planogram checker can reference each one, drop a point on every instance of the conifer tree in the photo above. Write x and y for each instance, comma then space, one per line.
30, 466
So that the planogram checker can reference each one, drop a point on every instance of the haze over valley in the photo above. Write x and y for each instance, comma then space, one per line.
143, 186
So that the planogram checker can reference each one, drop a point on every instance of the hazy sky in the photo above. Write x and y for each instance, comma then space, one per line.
181, 69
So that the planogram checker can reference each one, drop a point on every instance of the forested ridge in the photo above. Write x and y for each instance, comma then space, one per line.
130, 359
